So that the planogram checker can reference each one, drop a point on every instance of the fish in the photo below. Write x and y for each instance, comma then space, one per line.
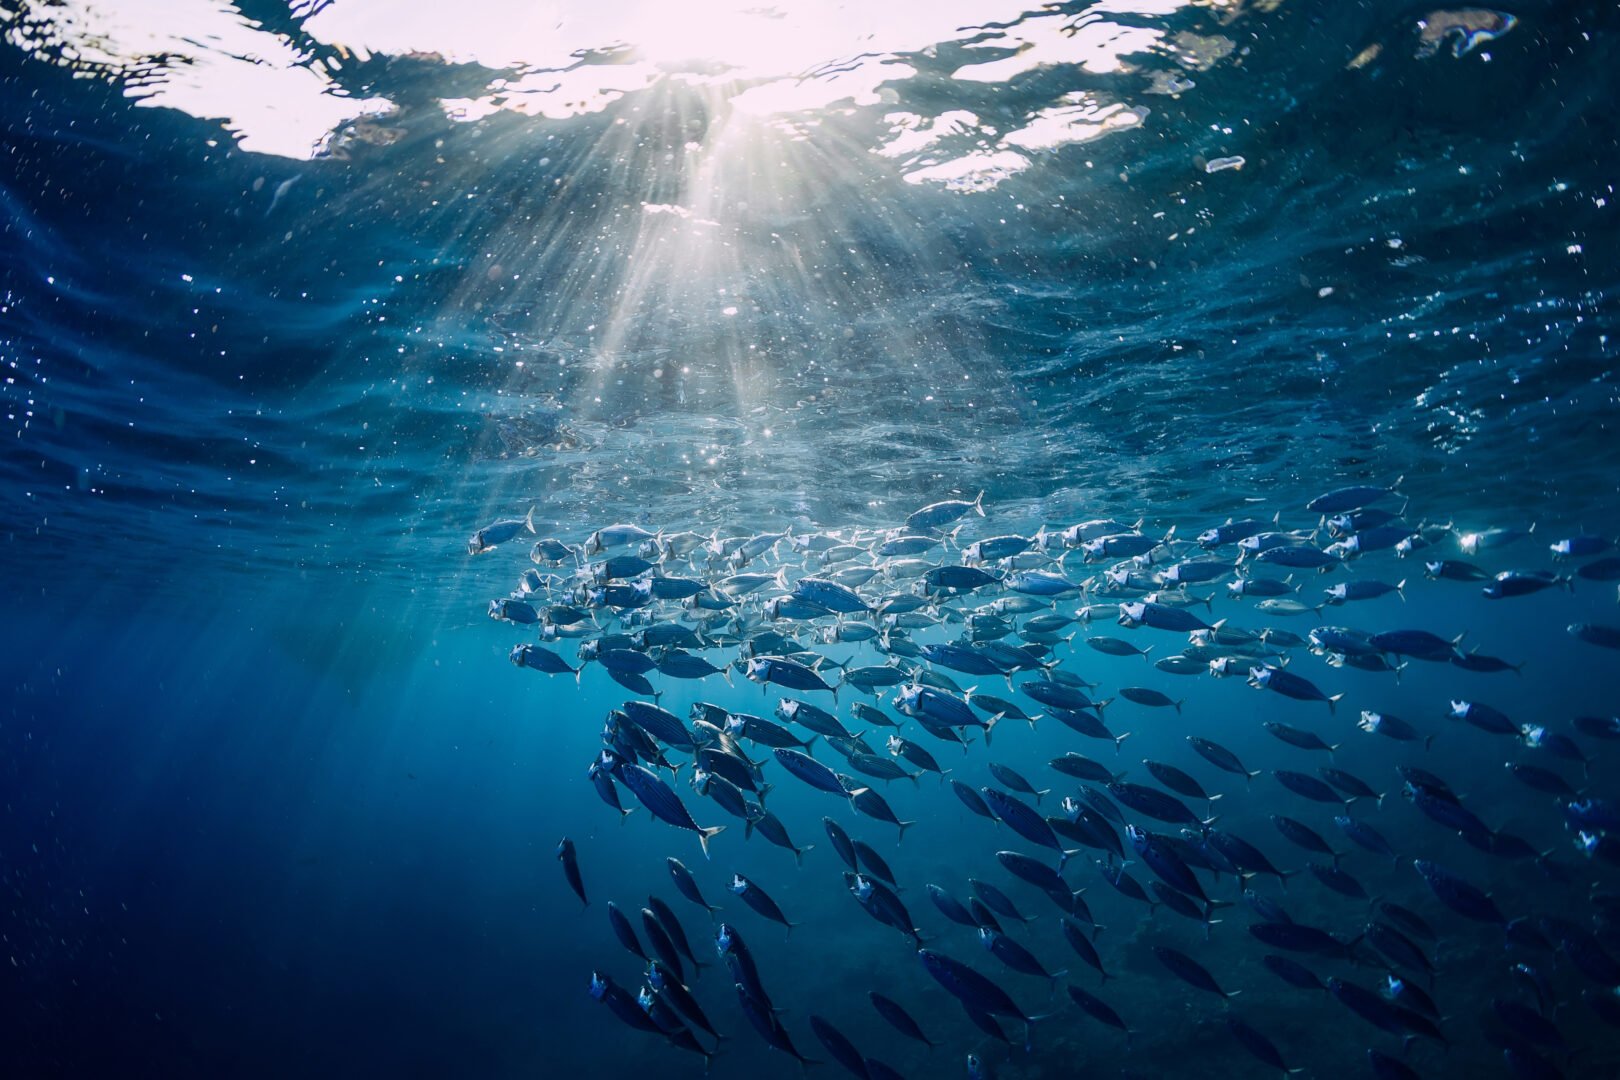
1458, 895
1220, 757
542, 660
660, 800
1601, 635
765, 1021
661, 941
499, 532
625, 932
1190, 971
838, 1046
809, 770
1015, 956
1160, 617
873, 805
1299, 737
1014, 780
667, 984
570, 863
621, 1003
1392, 727
1143, 695
687, 885
1260, 1047
1292, 972
1290, 685
883, 905
951, 907
972, 989
786, 673
1155, 804
936, 515
898, 1018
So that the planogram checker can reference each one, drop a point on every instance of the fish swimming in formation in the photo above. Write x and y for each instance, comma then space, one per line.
791, 608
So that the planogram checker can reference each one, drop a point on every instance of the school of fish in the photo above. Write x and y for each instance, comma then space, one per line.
949, 630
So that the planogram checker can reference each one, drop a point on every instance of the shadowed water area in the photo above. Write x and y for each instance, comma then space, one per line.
295, 298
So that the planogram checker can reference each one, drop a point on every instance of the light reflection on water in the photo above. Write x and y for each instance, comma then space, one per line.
290, 91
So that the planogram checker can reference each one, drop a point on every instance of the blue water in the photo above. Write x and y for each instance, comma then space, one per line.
293, 298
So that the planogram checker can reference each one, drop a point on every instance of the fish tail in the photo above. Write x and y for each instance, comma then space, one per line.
904, 825
705, 834
1333, 702
978, 504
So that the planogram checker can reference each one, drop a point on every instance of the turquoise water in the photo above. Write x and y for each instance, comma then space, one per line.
295, 298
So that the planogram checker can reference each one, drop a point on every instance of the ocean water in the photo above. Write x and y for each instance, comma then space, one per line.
295, 297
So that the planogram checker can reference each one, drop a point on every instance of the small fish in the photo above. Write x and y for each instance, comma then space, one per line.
499, 532
1190, 971
1606, 637
1015, 956
1293, 736
1392, 727
1220, 757
687, 885
1146, 696
1289, 685
1015, 780
570, 863
1457, 894
898, 1018
1117, 647
1307, 786
1292, 972
659, 799
1098, 1010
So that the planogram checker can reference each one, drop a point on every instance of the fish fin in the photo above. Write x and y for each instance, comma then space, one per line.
1179, 704
978, 504
1333, 702
528, 520
904, 825
705, 834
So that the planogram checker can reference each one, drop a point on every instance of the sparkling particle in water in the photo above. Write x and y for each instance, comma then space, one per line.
1220, 164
